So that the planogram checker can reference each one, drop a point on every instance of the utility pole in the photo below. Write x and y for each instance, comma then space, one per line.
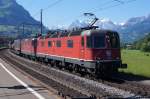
41, 21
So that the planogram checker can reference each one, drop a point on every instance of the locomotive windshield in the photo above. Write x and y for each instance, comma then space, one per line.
114, 40
96, 41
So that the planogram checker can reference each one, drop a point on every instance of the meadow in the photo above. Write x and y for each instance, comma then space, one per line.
138, 62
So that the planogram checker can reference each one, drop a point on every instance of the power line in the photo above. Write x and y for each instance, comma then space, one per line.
105, 4
49, 6
53, 4
108, 2
119, 1
108, 7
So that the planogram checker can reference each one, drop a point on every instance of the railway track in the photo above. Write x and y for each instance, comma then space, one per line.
61, 90
75, 86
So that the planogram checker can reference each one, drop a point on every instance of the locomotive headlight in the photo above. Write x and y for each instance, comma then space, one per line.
118, 58
108, 53
98, 58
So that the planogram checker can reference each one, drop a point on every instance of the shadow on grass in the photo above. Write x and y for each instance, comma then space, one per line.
131, 77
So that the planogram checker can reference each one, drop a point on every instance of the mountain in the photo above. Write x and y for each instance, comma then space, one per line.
104, 23
135, 28
13, 14
107, 24
77, 24
130, 31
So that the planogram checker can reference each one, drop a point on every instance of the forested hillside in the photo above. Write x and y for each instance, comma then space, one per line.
143, 44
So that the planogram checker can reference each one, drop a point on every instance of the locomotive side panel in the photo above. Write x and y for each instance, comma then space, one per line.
26, 47
17, 46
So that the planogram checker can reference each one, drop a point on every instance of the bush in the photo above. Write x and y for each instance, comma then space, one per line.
145, 47
143, 44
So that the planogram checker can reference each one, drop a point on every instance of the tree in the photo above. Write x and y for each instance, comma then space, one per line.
143, 44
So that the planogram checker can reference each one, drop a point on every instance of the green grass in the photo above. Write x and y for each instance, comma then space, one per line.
138, 62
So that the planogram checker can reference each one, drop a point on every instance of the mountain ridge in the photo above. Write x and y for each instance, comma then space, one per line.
12, 13
133, 29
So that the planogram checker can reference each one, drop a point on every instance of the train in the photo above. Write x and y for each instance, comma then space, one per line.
87, 50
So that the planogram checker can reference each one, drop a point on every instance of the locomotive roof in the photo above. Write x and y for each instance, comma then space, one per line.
65, 34
79, 32
96, 31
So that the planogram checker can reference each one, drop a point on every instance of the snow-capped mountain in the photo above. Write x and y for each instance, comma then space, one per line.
78, 24
107, 24
135, 28
131, 30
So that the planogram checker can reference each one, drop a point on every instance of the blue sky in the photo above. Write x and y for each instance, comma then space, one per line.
67, 11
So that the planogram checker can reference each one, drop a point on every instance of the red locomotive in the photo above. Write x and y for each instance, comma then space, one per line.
89, 50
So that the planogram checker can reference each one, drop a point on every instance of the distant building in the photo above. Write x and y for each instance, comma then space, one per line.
129, 46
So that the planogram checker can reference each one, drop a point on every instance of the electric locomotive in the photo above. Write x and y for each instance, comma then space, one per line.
88, 50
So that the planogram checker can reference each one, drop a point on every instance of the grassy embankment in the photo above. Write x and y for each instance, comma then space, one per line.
138, 62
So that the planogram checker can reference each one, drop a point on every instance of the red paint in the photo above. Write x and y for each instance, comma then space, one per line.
76, 52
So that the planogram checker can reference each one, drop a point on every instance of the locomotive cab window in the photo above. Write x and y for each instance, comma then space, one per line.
114, 40
89, 42
70, 43
96, 41
99, 41
58, 43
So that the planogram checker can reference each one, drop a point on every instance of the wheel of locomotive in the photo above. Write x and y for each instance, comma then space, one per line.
51, 63
59, 64
76, 68
84, 71
46, 61
38, 59
35, 58
70, 67
54, 63
43, 61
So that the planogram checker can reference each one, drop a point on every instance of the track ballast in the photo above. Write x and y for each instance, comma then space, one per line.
76, 86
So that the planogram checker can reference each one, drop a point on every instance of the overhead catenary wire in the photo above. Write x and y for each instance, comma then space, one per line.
115, 5
53, 4
105, 4
49, 6
119, 1
110, 2
102, 4
108, 6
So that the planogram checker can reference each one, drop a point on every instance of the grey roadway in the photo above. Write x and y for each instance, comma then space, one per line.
11, 88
